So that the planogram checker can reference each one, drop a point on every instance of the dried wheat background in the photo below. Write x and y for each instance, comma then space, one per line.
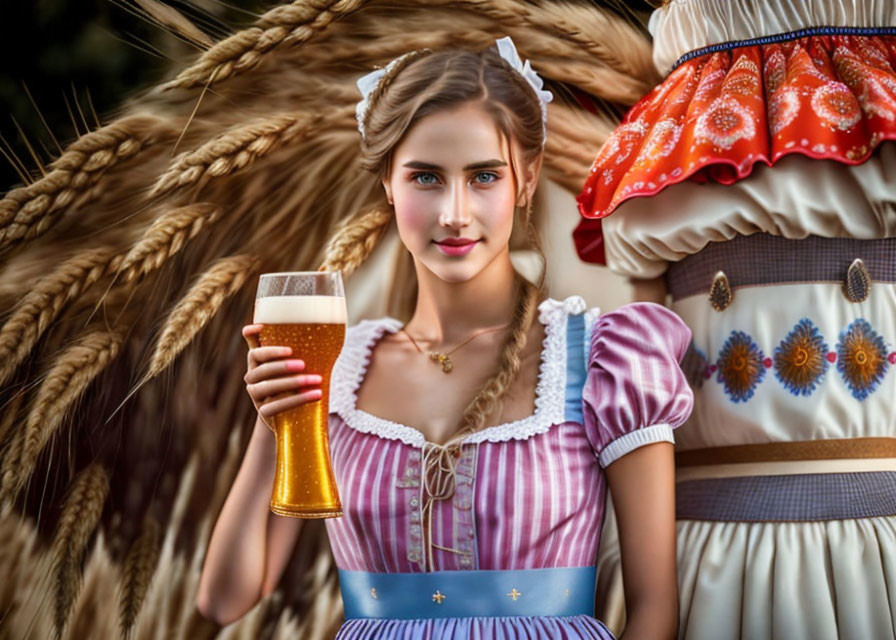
128, 266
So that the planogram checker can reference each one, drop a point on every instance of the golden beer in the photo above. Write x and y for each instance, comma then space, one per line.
314, 327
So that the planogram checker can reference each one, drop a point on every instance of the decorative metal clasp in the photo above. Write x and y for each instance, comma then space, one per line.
720, 294
857, 284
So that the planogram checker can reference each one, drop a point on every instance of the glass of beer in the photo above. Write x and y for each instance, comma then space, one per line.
305, 311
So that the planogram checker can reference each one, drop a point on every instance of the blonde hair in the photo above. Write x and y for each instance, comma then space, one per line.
422, 83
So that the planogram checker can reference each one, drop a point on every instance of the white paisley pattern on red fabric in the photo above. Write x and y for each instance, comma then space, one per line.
718, 114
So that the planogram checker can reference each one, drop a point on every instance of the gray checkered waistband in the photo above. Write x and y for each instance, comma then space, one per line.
766, 259
788, 498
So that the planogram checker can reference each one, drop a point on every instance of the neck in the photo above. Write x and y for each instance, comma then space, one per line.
449, 312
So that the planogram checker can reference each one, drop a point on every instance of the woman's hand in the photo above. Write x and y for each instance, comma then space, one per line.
275, 382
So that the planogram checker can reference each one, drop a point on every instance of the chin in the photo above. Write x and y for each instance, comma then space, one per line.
456, 273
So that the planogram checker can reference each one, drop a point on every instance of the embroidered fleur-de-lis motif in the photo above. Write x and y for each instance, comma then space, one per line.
514, 594
857, 284
720, 294
373, 594
438, 596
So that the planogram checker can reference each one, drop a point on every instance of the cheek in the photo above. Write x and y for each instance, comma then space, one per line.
500, 205
412, 212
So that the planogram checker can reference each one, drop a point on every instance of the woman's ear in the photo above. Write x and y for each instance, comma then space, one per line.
387, 186
531, 172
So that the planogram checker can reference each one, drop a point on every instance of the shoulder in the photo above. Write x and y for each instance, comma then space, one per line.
637, 325
359, 340
553, 312
371, 329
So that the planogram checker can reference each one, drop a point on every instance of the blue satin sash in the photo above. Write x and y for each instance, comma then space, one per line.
565, 591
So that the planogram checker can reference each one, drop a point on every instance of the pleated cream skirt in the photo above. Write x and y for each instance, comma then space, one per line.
826, 580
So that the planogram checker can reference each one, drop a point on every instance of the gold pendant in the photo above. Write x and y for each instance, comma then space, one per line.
442, 360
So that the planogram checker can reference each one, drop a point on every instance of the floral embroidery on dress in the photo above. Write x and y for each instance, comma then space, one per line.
861, 358
800, 359
740, 366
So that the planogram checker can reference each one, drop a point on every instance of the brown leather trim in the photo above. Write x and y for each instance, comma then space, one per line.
788, 451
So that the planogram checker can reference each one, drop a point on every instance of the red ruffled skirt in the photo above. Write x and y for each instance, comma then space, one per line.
718, 114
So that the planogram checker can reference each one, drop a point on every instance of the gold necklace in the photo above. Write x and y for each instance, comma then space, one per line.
444, 359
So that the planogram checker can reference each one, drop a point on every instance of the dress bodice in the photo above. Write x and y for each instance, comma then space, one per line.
529, 494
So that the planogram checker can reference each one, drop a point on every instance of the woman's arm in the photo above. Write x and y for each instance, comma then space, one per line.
642, 484
250, 545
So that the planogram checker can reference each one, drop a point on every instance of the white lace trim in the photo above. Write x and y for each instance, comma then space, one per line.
347, 376
632, 440
549, 391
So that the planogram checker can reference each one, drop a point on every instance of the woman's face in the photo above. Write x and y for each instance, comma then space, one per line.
454, 192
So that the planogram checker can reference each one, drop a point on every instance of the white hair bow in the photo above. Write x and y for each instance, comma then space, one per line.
508, 51
367, 84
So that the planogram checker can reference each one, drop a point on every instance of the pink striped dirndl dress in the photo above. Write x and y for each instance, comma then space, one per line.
521, 530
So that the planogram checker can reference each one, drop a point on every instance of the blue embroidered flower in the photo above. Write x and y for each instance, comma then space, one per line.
861, 358
695, 366
800, 359
740, 366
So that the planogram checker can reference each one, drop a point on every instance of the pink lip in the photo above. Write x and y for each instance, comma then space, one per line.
456, 246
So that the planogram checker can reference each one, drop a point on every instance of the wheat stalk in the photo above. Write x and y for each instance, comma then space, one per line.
197, 307
41, 305
72, 373
28, 212
137, 572
80, 515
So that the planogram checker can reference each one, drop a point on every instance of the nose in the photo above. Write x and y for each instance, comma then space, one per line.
455, 213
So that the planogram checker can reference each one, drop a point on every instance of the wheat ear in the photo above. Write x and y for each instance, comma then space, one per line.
80, 516
28, 212
72, 373
240, 146
294, 23
139, 566
197, 307
354, 240
167, 235
40, 306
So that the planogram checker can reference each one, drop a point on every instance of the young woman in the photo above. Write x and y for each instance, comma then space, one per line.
473, 481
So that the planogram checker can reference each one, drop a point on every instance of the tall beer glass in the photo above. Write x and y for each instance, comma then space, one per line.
304, 311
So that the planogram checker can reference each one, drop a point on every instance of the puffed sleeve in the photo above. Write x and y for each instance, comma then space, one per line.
635, 392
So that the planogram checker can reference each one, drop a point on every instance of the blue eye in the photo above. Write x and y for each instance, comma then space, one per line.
485, 177
425, 178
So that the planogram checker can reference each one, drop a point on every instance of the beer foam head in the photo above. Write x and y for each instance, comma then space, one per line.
300, 309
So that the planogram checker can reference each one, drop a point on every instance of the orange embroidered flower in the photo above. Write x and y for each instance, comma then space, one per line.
740, 366
800, 359
861, 358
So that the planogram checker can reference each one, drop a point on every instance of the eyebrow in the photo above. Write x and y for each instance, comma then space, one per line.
426, 166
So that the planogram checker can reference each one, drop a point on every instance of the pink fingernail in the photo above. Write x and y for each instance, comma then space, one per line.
295, 365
